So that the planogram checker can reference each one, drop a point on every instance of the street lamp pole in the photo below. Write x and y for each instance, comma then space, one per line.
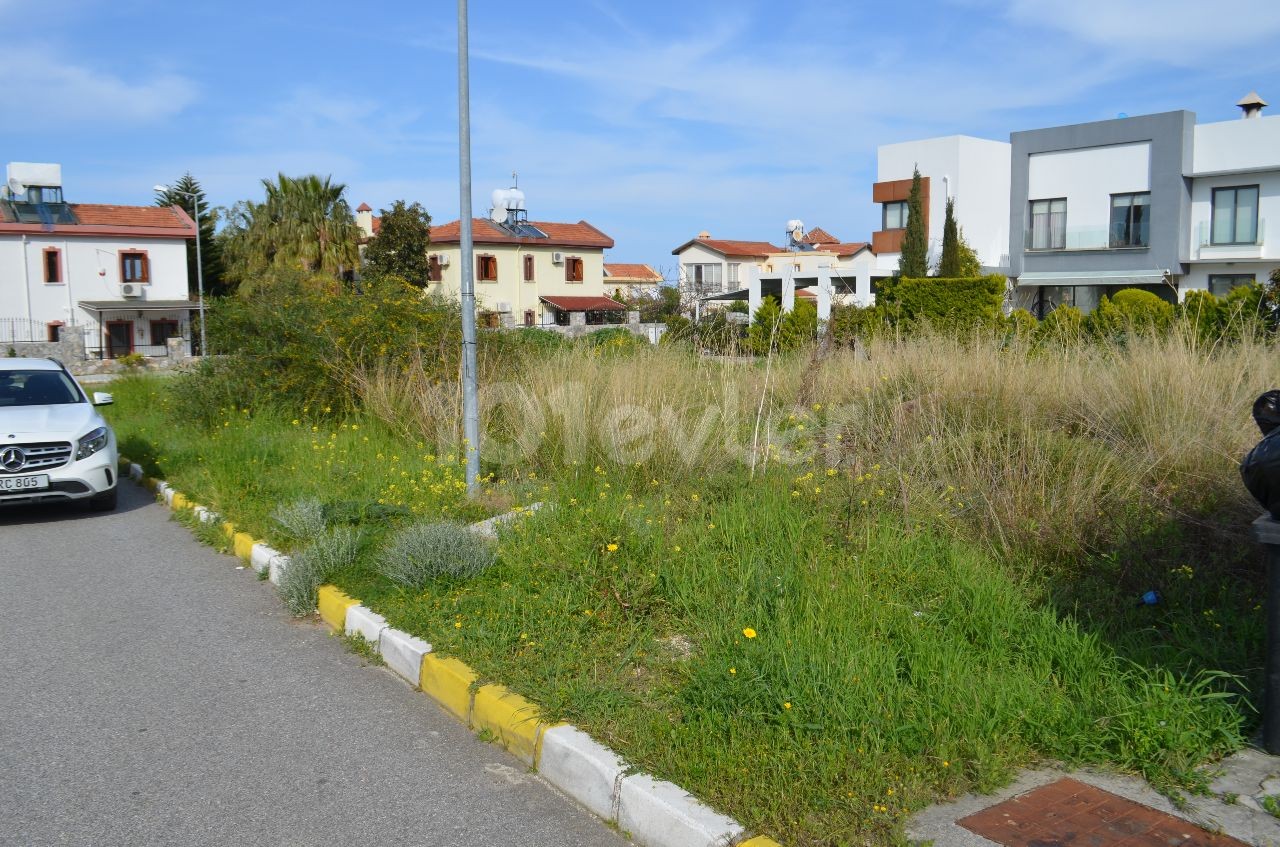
470, 401
195, 202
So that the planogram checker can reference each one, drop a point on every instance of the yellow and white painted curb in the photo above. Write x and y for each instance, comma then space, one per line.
655, 813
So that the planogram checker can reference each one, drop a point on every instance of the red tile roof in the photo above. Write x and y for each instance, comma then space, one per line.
484, 231
639, 273
364, 207
846, 249
818, 235
101, 219
377, 225
584, 304
731, 247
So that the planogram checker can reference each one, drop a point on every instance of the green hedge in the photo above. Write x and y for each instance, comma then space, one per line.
947, 305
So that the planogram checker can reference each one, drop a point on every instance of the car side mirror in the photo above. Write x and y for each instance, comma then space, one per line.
102, 398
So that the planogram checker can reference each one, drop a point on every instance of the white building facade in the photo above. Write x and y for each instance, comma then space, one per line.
116, 275
972, 171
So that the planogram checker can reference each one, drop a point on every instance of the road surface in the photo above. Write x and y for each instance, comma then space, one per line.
150, 693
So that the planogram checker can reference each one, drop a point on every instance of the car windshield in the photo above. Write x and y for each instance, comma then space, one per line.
37, 388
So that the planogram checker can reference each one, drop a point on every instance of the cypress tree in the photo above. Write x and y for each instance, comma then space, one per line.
914, 260
949, 263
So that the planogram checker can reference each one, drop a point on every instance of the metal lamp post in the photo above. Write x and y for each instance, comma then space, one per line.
195, 202
470, 402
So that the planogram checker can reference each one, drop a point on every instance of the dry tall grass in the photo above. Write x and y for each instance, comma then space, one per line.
1059, 449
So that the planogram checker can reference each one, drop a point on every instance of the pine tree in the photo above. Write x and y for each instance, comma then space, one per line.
949, 263
914, 260
185, 193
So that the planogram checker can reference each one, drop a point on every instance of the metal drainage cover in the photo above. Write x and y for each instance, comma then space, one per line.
1071, 813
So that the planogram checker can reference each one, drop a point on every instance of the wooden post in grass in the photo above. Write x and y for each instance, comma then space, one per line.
1267, 530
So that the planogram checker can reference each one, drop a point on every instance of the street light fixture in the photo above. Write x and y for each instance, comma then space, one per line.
195, 202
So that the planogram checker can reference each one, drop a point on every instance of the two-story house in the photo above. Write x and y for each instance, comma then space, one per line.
526, 273
117, 275
1157, 202
815, 264
1235, 192
974, 172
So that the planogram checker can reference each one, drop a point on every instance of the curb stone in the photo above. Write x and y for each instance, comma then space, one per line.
654, 813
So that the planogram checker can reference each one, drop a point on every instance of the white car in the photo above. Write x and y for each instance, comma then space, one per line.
53, 443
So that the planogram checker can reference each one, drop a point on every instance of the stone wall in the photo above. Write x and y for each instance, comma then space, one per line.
70, 352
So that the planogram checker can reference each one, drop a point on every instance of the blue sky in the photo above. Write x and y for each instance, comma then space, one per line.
652, 120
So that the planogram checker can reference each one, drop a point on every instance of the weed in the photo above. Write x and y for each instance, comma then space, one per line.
358, 644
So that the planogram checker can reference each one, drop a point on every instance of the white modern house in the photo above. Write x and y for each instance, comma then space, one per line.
1235, 194
1156, 202
972, 171
815, 264
116, 275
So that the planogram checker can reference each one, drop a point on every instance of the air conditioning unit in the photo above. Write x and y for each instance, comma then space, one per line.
504, 307
443, 260
557, 258
130, 290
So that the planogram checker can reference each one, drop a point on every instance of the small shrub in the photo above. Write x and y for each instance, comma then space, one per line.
301, 521
614, 339
298, 586
1064, 325
1021, 323
851, 324
1205, 313
1130, 310
329, 553
421, 553
132, 361
946, 305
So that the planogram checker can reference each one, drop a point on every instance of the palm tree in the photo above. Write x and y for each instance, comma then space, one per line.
303, 224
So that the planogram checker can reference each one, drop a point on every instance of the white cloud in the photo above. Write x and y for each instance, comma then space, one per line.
1178, 32
42, 91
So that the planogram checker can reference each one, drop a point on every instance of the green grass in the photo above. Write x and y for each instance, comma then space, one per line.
800, 650
246, 465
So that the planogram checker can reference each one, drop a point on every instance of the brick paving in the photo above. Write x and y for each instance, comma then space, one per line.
1068, 813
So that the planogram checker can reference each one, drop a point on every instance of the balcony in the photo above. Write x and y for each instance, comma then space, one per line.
1205, 249
1088, 238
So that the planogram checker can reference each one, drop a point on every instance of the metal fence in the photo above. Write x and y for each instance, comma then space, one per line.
22, 329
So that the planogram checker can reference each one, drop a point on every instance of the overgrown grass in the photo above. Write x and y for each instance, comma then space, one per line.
246, 465
820, 591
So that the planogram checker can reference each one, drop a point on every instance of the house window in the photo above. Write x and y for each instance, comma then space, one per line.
895, 215
528, 268
705, 279
1235, 215
573, 269
134, 267
162, 331
435, 273
733, 273
1049, 224
529, 318
1221, 284
1131, 219
52, 264
487, 268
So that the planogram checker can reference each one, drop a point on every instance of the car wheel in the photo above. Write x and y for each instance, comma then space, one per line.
104, 502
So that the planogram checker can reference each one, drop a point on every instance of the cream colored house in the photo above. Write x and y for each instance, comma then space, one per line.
527, 273
632, 280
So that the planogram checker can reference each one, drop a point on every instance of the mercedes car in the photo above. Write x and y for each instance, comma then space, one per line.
54, 445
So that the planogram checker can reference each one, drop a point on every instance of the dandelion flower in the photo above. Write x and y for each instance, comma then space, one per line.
733, 671
786, 705
611, 547
749, 632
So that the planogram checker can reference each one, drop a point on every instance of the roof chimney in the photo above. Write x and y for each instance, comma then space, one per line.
364, 219
704, 235
1252, 105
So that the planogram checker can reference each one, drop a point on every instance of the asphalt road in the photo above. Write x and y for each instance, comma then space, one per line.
150, 693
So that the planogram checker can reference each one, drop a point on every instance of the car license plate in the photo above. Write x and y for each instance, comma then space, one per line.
23, 483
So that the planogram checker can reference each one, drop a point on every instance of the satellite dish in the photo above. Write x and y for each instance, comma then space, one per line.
794, 226
498, 215
16, 188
